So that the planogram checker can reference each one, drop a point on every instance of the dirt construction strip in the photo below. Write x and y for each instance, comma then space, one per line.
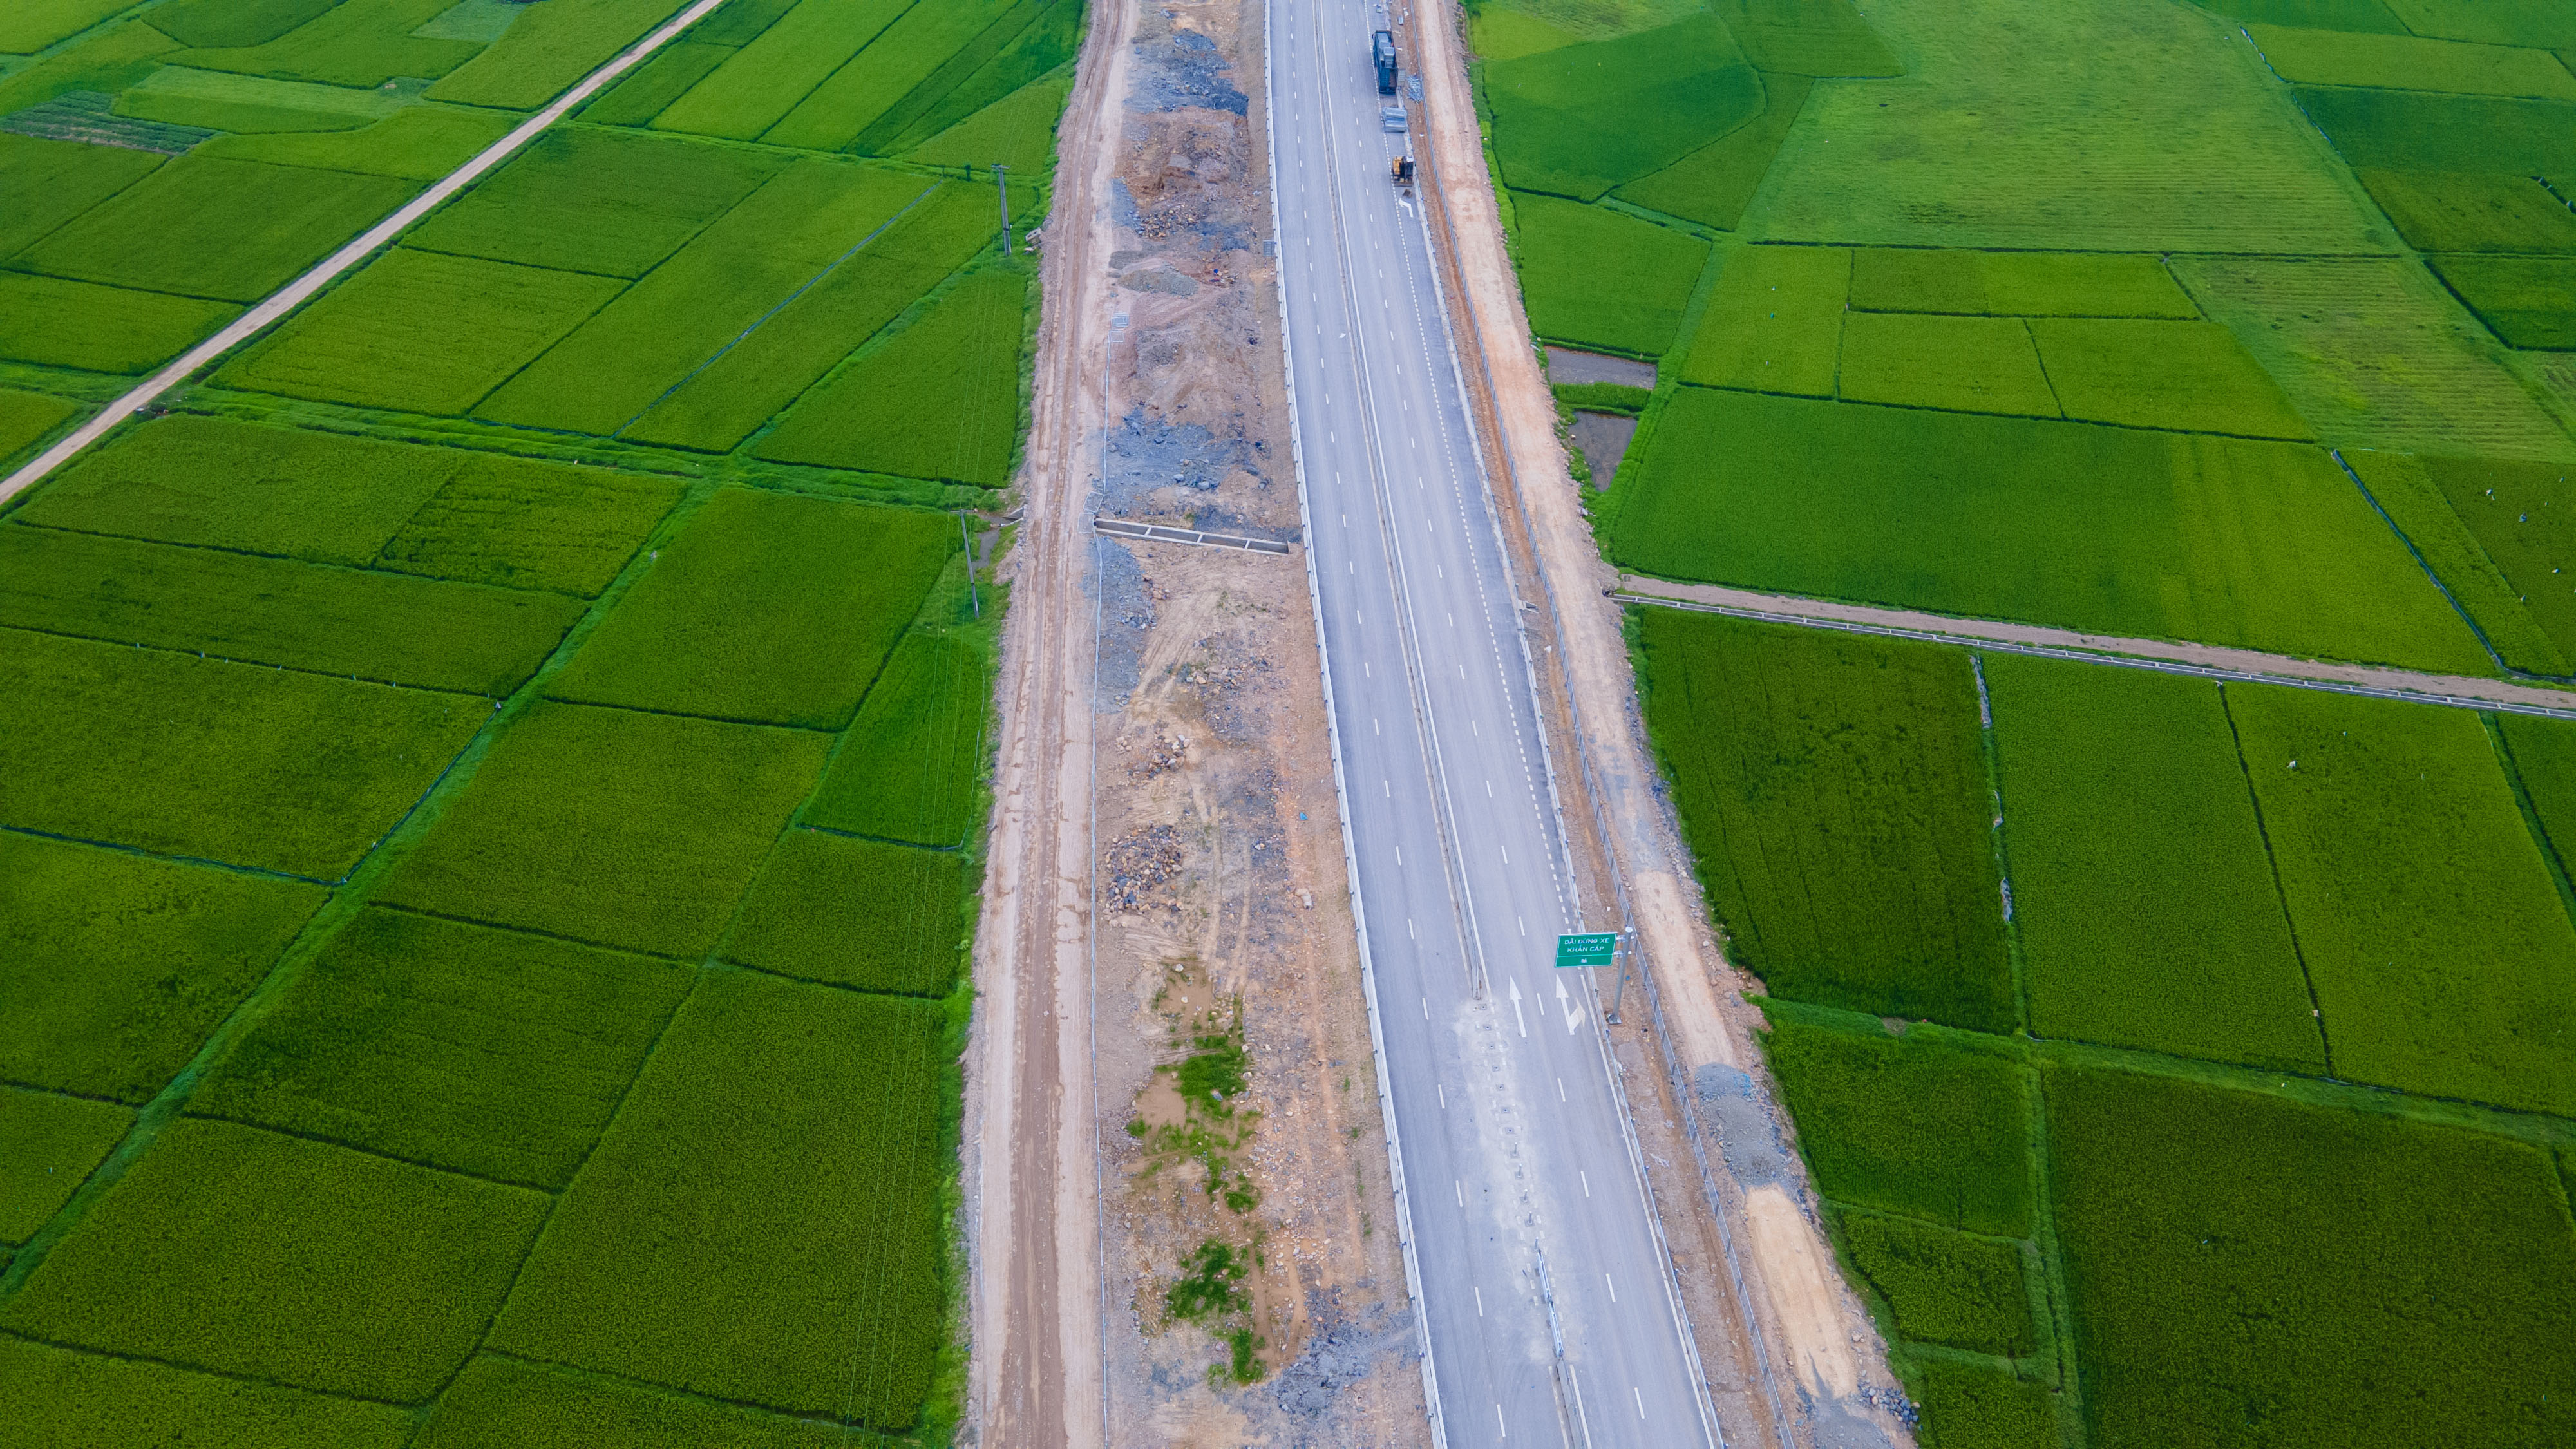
295, 293
2208, 661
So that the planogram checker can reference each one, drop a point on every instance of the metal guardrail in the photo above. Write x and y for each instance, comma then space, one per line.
1127, 528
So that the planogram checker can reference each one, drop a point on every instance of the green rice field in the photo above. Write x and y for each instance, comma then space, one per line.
499, 777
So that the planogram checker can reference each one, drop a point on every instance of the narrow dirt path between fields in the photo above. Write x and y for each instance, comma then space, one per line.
2253, 666
1792, 1355
294, 294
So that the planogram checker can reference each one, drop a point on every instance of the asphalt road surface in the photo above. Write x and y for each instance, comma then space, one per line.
1548, 1300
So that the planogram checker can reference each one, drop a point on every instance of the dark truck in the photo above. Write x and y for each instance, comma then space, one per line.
1382, 50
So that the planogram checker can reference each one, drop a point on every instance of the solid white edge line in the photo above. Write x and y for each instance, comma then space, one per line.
1332, 736
263, 314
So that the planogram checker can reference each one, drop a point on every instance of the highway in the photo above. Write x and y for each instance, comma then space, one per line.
1547, 1301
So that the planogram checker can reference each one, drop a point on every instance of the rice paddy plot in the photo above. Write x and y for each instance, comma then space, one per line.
233, 24
1965, 364
916, 747
2425, 131
2142, 887
2494, 22
52, 1143
771, 607
1774, 322
26, 417
2403, 486
2432, 930
762, 1223
655, 84
1501, 32
1019, 31
761, 83
1018, 131
2168, 135
489, 1052
2373, 353
50, 182
609, 202
548, 48
58, 1396
231, 231
2520, 515
504, 1403
739, 23
387, 627
2407, 62
2159, 535
374, 1277
2014, 284
1967, 1405
2525, 301
1714, 184
2235, 1259
416, 143
1597, 278
1943, 1286
115, 967
1579, 120
874, 83
1923, 1124
238, 763
420, 332
615, 827
614, 368
2185, 376
2542, 755
2367, 16
357, 43
1808, 38
760, 376
1042, 49
1833, 790
940, 399
857, 913
115, 57
2472, 211
55, 323
220, 101
527, 525
31, 25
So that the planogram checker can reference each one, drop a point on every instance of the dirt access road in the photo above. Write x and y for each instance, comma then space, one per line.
1165, 867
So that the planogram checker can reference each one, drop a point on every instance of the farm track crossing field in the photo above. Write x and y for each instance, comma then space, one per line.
325, 1000
767, 607
1841, 824
118, 964
238, 763
761, 1222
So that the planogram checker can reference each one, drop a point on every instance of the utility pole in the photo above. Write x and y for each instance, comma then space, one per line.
1001, 183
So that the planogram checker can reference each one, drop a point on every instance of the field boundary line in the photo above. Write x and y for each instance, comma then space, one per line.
261, 315
2242, 666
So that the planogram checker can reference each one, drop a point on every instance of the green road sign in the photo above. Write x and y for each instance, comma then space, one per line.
1592, 950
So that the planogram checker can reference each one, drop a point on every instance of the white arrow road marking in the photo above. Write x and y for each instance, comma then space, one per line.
1573, 1014
1516, 1009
